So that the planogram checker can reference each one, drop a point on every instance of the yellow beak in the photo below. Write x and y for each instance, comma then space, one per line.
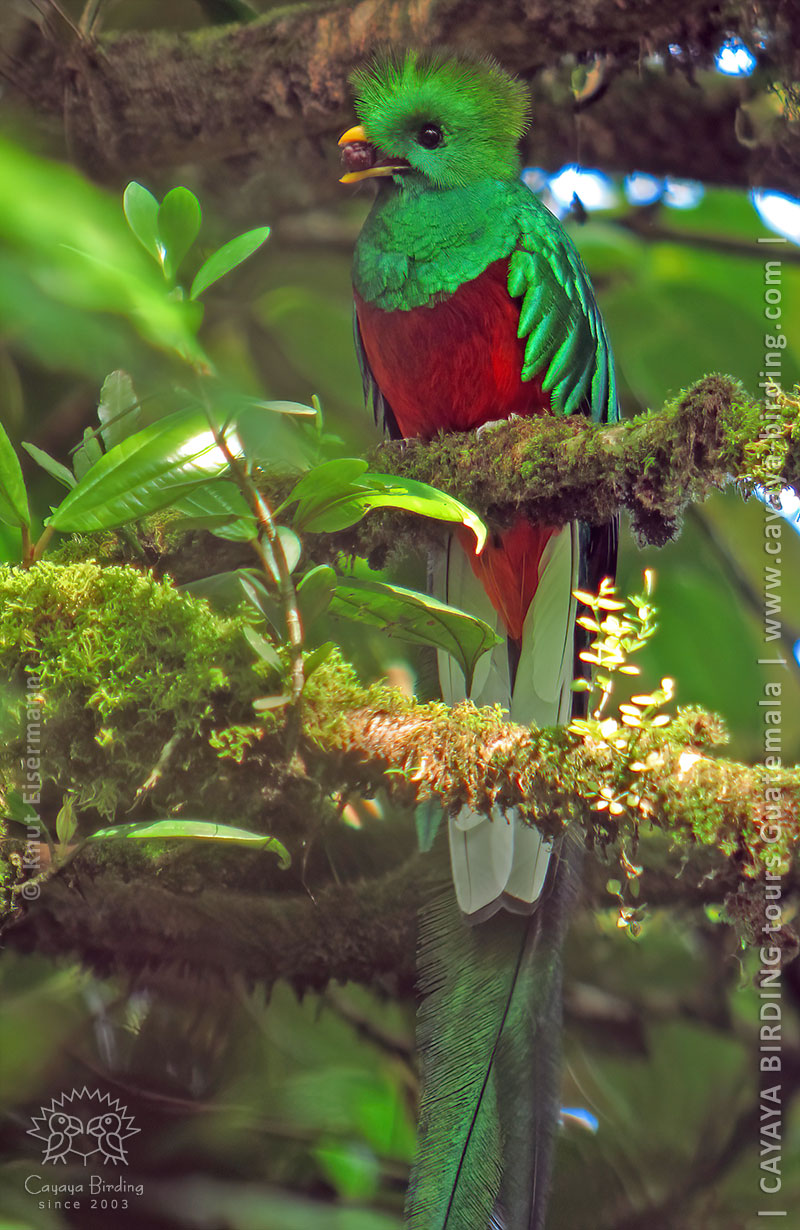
353, 177
353, 134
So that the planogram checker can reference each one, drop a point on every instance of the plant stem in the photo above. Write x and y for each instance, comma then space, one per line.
267, 529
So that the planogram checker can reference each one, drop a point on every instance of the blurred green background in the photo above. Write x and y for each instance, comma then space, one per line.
300, 1114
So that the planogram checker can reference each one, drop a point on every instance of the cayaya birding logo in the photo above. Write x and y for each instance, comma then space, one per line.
81, 1125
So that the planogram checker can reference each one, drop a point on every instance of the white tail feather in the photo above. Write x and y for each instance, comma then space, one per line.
501, 862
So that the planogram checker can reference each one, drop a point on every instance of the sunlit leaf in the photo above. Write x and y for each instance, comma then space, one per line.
415, 617
337, 494
143, 473
194, 830
285, 407
13, 496
226, 258
424, 500
179, 219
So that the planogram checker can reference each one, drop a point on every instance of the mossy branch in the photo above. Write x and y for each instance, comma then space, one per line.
664, 776
556, 469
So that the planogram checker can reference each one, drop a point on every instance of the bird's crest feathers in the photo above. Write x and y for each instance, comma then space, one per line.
479, 108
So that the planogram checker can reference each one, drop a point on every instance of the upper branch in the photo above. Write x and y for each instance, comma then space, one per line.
267, 90
558, 469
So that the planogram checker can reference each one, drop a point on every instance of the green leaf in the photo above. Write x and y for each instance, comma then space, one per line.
66, 823
179, 219
193, 830
227, 258
417, 618
314, 593
14, 509
337, 494
118, 410
285, 407
143, 473
266, 604
427, 501
141, 210
86, 454
324, 485
15, 808
317, 657
265, 703
222, 590
292, 550
54, 468
221, 508
263, 648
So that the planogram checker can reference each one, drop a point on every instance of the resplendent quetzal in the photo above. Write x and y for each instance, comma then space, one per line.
472, 305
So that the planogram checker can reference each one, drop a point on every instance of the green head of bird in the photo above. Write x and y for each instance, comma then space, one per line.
441, 122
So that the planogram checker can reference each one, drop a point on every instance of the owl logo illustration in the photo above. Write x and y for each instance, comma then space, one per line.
81, 1125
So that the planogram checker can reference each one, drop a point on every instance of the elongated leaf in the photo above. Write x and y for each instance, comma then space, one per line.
227, 258
340, 493
324, 485
317, 657
54, 468
141, 210
143, 473
285, 407
264, 603
265, 703
265, 650
415, 617
427, 501
221, 508
193, 830
179, 219
118, 410
13, 496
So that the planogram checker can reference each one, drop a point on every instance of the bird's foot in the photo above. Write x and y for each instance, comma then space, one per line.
493, 424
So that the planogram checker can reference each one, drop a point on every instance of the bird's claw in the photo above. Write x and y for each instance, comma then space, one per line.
493, 424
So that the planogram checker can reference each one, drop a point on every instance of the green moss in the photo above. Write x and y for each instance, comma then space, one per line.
134, 676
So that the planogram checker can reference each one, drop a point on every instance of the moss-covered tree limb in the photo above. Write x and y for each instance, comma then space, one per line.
654, 465
557, 469
265, 91
664, 776
554, 469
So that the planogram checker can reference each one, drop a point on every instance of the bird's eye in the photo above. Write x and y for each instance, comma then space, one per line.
429, 136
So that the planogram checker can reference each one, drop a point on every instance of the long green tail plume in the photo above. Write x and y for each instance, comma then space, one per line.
489, 1041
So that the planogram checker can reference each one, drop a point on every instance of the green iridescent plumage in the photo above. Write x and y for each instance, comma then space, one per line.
463, 206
